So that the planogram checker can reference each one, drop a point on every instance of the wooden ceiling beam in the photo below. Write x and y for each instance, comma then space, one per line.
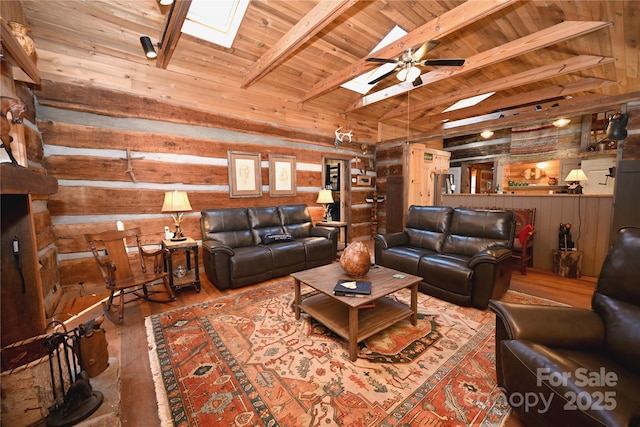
577, 106
319, 17
172, 32
518, 117
538, 40
447, 23
584, 85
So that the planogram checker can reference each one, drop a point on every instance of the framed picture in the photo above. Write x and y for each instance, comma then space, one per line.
245, 177
364, 180
282, 175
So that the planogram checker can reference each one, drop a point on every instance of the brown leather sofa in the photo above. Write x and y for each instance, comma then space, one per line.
564, 366
462, 255
242, 246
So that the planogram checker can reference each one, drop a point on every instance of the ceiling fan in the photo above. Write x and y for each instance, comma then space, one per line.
408, 64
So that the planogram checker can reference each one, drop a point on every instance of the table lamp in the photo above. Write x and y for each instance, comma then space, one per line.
176, 202
325, 198
575, 176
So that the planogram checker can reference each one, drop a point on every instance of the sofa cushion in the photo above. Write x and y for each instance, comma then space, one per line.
448, 272
228, 226
403, 258
250, 261
473, 231
296, 220
286, 254
264, 220
426, 226
317, 249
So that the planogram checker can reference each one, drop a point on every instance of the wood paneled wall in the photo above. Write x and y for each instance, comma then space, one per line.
114, 161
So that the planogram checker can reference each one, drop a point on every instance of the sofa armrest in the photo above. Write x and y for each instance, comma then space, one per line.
393, 239
213, 246
493, 255
324, 231
567, 327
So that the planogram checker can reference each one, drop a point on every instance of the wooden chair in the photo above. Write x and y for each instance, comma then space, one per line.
523, 253
123, 276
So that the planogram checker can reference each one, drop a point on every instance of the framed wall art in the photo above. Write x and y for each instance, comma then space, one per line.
245, 177
282, 175
364, 180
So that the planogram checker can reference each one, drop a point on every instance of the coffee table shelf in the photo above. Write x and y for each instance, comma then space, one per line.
347, 316
370, 320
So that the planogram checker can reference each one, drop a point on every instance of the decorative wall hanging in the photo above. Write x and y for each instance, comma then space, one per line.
533, 142
282, 175
245, 177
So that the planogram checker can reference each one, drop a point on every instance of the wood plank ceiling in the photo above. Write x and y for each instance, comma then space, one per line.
289, 58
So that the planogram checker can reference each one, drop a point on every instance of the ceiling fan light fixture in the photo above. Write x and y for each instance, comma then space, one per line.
413, 73
147, 46
408, 74
402, 74
166, 2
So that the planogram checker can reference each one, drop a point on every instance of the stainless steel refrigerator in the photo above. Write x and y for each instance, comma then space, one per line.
444, 183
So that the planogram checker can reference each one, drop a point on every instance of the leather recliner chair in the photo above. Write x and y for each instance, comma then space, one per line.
564, 366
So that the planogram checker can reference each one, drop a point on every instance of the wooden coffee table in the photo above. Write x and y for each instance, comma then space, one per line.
346, 316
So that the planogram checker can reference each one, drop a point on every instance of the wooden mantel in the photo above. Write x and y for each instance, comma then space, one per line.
19, 180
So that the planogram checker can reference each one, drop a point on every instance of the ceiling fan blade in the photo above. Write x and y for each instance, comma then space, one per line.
381, 60
444, 62
422, 50
382, 77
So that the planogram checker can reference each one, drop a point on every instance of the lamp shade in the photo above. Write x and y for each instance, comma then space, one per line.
176, 201
325, 196
576, 175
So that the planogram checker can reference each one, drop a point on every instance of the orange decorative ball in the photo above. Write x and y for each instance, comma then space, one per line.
355, 259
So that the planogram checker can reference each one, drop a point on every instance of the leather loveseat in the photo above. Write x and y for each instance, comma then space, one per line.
462, 255
565, 366
242, 246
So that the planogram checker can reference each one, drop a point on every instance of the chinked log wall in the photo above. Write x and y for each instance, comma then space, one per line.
86, 135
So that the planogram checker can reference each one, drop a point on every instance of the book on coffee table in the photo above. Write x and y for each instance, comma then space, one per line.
352, 288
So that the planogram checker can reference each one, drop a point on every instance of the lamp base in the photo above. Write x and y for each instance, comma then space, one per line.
178, 236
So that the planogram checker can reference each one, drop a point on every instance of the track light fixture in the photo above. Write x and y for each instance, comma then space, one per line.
149, 51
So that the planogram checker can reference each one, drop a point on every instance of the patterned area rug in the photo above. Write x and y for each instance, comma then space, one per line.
243, 360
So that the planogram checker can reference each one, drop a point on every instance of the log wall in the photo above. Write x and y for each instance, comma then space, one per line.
115, 155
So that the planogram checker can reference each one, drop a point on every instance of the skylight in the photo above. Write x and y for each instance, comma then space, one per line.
468, 102
361, 83
216, 21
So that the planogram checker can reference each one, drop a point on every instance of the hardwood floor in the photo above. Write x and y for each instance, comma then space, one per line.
128, 342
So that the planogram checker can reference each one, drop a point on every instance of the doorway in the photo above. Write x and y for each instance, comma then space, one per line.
336, 173
481, 176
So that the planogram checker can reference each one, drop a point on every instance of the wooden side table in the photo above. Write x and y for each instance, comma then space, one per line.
567, 263
192, 276
340, 225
